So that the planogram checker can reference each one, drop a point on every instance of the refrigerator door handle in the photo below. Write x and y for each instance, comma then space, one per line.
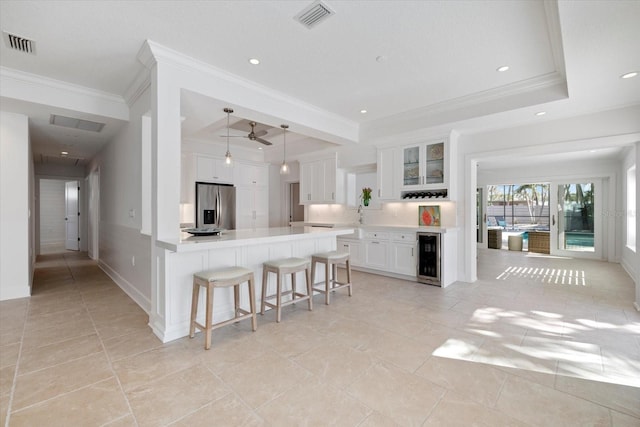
218, 206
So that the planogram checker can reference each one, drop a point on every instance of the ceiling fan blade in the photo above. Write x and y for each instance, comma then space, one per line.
263, 141
260, 133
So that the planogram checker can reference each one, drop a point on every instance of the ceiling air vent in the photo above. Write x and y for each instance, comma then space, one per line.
19, 43
314, 14
70, 122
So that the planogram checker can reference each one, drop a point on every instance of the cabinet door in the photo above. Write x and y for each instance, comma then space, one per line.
386, 176
354, 248
248, 174
411, 173
434, 164
306, 183
261, 207
252, 207
244, 207
403, 259
209, 169
330, 171
376, 254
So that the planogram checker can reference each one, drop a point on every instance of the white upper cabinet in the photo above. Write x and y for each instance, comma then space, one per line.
212, 169
424, 166
321, 182
387, 175
246, 174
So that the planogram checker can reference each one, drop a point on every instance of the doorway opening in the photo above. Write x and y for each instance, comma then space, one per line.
296, 210
59, 213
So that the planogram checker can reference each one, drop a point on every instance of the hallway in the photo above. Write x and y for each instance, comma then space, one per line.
535, 341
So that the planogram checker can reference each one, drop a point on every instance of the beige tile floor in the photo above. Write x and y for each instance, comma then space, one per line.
536, 341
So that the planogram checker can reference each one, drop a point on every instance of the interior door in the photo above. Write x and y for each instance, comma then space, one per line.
576, 220
71, 215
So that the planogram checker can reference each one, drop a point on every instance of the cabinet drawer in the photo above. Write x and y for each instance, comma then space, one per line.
403, 237
376, 235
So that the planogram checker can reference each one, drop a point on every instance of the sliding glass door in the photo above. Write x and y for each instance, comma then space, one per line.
576, 224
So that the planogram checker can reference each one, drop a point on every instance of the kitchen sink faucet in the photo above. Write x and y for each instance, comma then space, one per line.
360, 214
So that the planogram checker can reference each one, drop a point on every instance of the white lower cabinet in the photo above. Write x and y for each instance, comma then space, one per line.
403, 259
354, 247
376, 254
384, 251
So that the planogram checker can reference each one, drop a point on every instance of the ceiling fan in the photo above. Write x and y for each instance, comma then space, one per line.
254, 136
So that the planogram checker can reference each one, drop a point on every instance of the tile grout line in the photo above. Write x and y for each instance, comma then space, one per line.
15, 374
113, 371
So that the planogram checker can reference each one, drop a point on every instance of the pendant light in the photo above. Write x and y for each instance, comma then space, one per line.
284, 169
227, 157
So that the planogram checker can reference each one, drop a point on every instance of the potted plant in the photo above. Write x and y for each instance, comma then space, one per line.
366, 195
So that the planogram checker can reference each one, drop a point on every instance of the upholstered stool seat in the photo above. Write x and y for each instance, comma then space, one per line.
225, 277
281, 267
331, 260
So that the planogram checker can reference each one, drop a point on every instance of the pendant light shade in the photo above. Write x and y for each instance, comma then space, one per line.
227, 157
284, 169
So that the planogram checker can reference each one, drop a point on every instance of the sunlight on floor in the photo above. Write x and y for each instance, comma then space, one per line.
545, 275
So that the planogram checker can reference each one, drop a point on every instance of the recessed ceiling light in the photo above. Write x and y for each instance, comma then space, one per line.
629, 75
254, 61
592, 151
541, 113
64, 153
363, 111
503, 68
259, 148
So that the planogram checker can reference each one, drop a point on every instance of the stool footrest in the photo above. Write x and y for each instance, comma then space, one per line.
301, 297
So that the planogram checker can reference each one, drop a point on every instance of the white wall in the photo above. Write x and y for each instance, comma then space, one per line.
16, 189
52, 214
124, 253
630, 259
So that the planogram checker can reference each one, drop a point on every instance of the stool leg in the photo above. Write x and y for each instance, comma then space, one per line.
309, 288
327, 281
252, 304
194, 308
334, 268
313, 271
209, 322
349, 277
293, 286
265, 276
278, 296
236, 299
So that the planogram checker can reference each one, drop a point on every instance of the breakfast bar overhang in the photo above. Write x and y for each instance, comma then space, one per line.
178, 259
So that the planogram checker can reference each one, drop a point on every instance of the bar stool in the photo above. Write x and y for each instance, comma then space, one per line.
211, 279
281, 267
331, 260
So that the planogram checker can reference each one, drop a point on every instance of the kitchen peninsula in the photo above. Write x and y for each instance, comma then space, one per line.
180, 258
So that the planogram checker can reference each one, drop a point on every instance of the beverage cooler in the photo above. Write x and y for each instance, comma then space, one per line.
429, 265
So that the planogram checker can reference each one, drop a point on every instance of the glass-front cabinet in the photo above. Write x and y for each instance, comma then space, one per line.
424, 166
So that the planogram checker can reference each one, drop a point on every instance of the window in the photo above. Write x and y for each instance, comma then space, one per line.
631, 208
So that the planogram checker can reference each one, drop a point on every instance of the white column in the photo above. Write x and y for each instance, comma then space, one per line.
15, 268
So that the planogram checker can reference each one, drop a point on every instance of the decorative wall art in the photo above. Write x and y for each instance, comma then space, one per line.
429, 216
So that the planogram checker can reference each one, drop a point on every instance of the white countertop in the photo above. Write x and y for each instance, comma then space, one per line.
234, 238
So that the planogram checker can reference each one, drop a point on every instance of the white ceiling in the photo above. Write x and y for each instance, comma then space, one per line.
439, 59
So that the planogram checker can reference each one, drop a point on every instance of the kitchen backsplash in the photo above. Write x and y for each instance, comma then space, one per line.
385, 214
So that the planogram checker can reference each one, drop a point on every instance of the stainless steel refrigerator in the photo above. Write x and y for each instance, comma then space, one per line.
215, 206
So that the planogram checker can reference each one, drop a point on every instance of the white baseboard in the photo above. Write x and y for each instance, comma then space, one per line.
127, 287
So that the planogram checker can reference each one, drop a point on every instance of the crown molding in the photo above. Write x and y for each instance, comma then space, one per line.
39, 89
138, 86
554, 31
